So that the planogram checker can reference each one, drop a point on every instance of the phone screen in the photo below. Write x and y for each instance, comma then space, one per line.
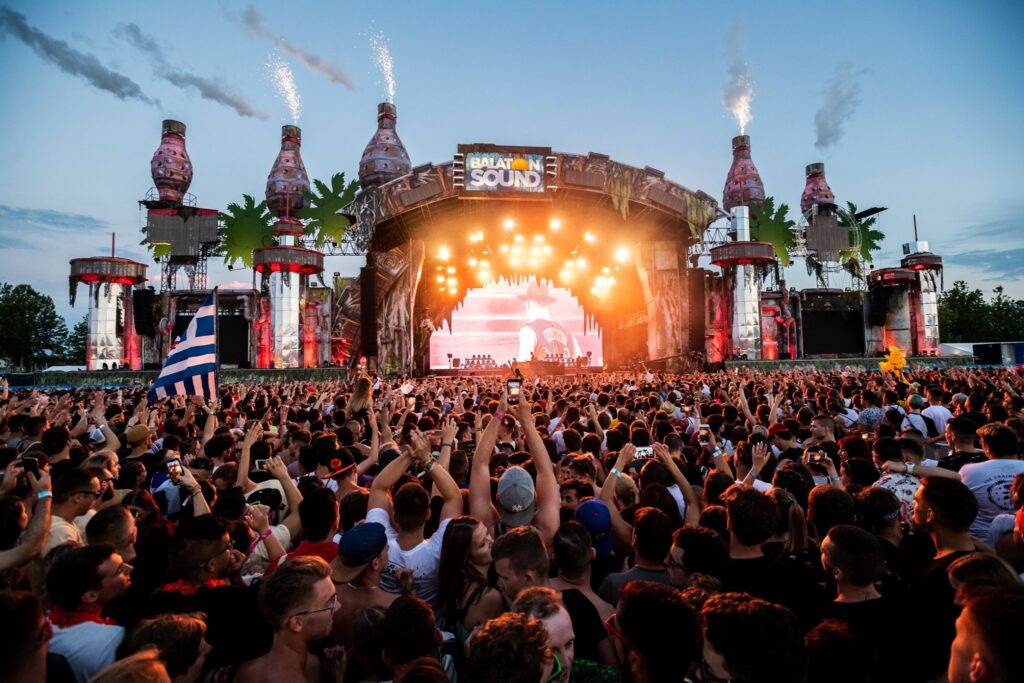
261, 464
644, 452
705, 430
174, 468
514, 387
30, 465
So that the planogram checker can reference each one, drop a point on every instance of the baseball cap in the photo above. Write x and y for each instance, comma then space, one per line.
917, 401
137, 434
516, 497
779, 429
356, 549
593, 514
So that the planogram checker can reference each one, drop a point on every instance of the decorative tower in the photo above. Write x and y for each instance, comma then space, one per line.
171, 167
384, 158
826, 239
817, 195
742, 263
111, 342
924, 301
286, 267
743, 186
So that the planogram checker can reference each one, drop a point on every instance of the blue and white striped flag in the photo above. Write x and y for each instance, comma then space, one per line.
191, 367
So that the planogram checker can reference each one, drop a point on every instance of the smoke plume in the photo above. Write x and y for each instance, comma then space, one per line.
737, 88
212, 89
70, 60
842, 97
252, 20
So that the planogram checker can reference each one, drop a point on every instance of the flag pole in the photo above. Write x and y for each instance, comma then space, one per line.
216, 340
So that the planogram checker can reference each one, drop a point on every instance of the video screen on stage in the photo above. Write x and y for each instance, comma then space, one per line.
520, 321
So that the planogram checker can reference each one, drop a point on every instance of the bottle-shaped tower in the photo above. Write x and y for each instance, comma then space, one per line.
170, 166
286, 267
743, 186
384, 158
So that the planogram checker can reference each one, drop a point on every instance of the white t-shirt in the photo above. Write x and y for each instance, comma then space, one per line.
940, 415
89, 647
61, 531
423, 560
990, 481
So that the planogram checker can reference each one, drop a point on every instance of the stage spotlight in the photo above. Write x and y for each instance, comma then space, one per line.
451, 269
503, 249
538, 238
589, 237
581, 262
535, 250
622, 254
547, 249
484, 265
444, 253
514, 262
533, 263
518, 238
509, 224
452, 282
516, 250
451, 290
473, 262
555, 224
606, 270
440, 278
565, 275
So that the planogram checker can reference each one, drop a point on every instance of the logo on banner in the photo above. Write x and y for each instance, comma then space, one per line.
504, 171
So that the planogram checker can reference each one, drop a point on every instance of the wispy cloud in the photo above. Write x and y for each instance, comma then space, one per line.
69, 60
1000, 264
213, 89
17, 219
253, 21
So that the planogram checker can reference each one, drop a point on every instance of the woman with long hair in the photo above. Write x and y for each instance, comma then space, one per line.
361, 402
465, 600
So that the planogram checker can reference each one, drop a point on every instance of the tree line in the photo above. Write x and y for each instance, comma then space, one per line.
33, 334
966, 316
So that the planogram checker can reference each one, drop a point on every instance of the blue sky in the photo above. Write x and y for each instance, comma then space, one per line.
935, 133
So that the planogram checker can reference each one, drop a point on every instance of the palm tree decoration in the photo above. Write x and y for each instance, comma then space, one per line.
868, 239
243, 228
324, 223
768, 224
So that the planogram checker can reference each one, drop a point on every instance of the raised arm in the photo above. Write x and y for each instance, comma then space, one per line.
34, 539
450, 427
242, 479
621, 530
692, 513
387, 478
210, 425
443, 482
277, 468
547, 518
592, 414
480, 505
199, 505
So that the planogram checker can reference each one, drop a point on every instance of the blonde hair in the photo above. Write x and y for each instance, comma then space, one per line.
141, 667
362, 396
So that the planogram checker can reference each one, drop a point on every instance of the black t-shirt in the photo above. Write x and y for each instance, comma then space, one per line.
954, 460
60, 467
774, 581
873, 621
936, 611
586, 624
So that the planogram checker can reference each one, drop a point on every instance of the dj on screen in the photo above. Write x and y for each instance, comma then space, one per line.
542, 337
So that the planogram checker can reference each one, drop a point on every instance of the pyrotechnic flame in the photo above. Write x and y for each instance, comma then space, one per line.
382, 57
284, 82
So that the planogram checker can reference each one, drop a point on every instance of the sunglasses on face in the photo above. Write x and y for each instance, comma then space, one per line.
95, 494
333, 605
229, 547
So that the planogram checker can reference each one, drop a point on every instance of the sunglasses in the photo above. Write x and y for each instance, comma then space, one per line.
95, 494
230, 546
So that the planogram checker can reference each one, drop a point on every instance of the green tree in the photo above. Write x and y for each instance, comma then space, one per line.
244, 227
963, 314
869, 239
768, 224
324, 223
32, 330
77, 342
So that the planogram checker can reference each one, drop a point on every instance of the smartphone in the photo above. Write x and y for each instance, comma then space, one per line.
30, 464
865, 436
818, 456
174, 468
703, 435
261, 464
644, 452
514, 387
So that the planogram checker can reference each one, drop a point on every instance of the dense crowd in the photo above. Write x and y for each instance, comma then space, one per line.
732, 526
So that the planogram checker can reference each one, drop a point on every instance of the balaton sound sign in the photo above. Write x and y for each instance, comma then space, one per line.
501, 170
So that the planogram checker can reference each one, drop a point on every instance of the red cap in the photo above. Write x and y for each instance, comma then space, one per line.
779, 429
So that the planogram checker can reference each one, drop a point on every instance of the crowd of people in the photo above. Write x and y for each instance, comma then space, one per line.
775, 527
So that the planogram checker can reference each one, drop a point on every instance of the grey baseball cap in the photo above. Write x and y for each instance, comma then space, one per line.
516, 497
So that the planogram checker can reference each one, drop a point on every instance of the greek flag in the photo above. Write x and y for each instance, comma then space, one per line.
191, 366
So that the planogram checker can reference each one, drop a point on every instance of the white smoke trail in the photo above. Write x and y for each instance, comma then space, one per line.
382, 56
842, 97
284, 82
737, 88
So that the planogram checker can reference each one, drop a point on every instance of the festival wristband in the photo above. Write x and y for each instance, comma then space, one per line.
44, 494
262, 537
615, 473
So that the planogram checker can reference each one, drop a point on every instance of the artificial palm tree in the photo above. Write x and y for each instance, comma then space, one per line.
868, 239
768, 224
244, 228
324, 223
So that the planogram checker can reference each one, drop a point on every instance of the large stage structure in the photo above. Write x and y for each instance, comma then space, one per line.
661, 273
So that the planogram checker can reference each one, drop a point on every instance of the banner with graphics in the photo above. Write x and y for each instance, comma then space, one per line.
490, 170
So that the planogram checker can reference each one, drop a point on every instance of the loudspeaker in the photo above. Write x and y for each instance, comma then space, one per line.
368, 311
879, 302
695, 325
142, 312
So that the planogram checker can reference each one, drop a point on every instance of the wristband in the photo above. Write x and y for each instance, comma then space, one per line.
498, 415
44, 494
262, 537
615, 473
